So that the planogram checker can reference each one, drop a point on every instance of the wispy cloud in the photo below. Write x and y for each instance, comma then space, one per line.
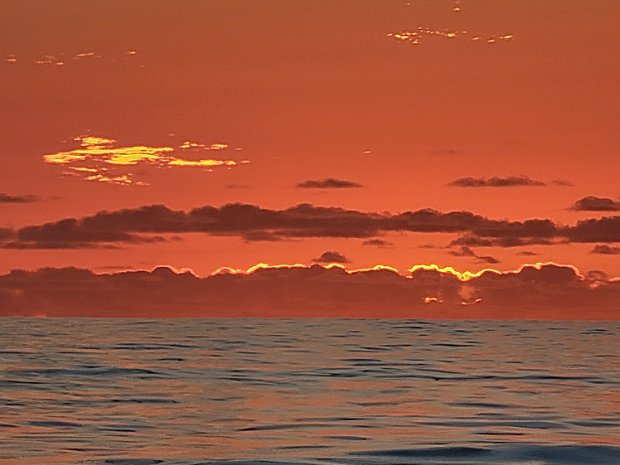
7, 198
328, 183
424, 34
465, 251
445, 152
64, 59
495, 181
381, 243
101, 159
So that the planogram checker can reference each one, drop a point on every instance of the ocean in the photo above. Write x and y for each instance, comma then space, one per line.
308, 391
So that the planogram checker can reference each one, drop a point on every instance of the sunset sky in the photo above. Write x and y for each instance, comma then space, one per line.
473, 134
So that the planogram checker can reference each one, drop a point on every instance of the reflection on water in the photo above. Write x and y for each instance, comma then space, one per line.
141, 392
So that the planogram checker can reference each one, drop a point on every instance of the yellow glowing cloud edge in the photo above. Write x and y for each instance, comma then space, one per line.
461, 276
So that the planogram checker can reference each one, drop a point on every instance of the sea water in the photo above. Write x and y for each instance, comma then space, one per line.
313, 391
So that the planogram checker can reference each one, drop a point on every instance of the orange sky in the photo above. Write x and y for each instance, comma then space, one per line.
206, 103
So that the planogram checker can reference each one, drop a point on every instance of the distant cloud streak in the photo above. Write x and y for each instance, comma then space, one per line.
327, 183
7, 198
509, 181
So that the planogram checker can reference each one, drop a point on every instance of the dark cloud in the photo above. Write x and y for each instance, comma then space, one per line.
381, 243
596, 204
604, 249
154, 223
6, 198
331, 257
6, 234
509, 181
465, 251
527, 253
327, 183
606, 229
473, 240
533, 292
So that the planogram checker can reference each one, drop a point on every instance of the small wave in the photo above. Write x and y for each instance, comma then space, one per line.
54, 424
551, 455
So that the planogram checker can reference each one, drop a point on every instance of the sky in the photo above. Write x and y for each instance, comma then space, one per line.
218, 135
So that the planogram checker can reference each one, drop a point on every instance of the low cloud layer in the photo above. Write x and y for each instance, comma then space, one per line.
534, 292
328, 183
253, 223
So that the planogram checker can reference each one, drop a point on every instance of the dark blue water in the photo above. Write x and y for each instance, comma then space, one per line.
122, 392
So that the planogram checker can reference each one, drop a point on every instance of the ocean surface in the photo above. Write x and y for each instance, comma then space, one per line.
359, 392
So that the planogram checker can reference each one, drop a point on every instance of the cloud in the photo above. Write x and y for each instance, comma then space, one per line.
474, 240
251, 222
6, 198
101, 159
604, 249
596, 204
509, 181
465, 251
331, 257
68, 58
605, 229
541, 291
426, 34
381, 243
327, 183
562, 183
6, 234
445, 152
237, 186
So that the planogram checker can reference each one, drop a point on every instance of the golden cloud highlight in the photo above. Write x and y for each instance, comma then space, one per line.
416, 37
97, 155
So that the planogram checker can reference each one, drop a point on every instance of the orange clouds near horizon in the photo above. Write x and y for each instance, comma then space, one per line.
541, 291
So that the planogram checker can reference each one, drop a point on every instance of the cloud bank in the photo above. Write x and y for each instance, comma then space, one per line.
542, 291
253, 223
